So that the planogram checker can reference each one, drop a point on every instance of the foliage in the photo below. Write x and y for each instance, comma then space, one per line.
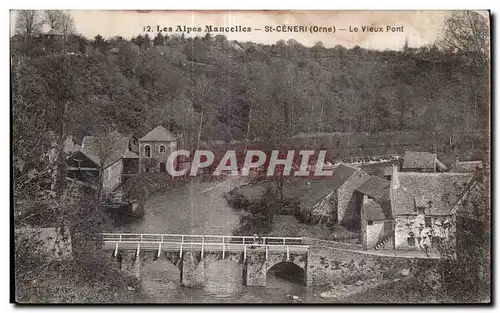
259, 217
137, 86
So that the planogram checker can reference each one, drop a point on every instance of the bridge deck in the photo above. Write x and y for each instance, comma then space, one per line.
174, 242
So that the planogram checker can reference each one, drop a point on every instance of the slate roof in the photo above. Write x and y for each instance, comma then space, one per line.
114, 147
419, 160
417, 189
341, 174
465, 167
80, 155
130, 155
159, 133
375, 187
378, 209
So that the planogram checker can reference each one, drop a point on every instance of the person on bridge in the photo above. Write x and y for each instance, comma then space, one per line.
260, 239
255, 239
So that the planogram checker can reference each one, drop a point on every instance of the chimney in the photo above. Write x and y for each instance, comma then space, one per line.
394, 177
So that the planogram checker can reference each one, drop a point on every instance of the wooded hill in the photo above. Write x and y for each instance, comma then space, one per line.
240, 90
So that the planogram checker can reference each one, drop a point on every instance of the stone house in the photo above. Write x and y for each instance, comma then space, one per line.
331, 199
373, 200
114, 154
422, 206
345, 180
155, 148
414, 161
326, 199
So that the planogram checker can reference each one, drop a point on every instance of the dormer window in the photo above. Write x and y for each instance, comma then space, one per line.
162, 149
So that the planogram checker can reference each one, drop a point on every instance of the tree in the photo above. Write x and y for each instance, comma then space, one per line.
467, 32
28, 23
60, 21
99, 43
66, 24
159, 40
52, 17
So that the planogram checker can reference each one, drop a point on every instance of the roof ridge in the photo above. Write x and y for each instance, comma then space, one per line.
432, 174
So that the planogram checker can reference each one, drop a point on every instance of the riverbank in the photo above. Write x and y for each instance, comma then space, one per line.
92, 281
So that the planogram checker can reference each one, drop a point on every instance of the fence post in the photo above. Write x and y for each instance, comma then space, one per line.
223, 249
283, 241
244, 252
180, 251
159, 249
266, 252
202, 245
116, 249
120, 237
141, 237
138, 248
287, 253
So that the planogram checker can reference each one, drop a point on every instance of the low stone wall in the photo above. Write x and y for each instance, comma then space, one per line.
336, 266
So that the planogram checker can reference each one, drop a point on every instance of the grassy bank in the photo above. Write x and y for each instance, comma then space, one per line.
77, 281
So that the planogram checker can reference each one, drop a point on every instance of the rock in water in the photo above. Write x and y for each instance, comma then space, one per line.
328, 294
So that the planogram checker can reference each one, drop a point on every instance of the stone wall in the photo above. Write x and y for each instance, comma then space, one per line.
415, 224
335, 266
112, 176
346, 202
161, 157
324, 211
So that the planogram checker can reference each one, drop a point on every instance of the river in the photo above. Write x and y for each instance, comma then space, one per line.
199, 208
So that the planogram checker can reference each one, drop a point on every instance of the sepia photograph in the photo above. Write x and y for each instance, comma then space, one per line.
241, 157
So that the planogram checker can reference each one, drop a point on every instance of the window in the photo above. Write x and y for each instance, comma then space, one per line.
370, 222
147, 169
162, 149
162, 167
428, 221
411, 241
147, 151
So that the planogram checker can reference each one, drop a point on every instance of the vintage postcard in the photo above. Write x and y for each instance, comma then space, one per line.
250, 156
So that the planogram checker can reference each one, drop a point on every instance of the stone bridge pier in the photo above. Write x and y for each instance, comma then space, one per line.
193, 267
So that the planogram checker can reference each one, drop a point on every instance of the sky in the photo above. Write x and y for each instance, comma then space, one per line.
419, 27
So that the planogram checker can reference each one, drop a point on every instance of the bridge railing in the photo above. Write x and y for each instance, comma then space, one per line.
163, 242
202, 239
